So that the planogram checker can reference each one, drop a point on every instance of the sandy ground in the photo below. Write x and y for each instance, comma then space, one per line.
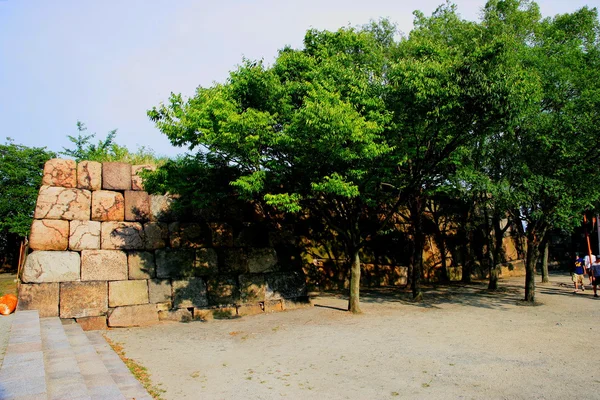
462, 343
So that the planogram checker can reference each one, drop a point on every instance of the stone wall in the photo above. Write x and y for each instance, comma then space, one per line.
105, 252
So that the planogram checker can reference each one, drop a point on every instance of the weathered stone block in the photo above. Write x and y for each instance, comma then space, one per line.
92, 323
203, 314
137, 206
84, 235
285, 285
222, 234
127, 293
163, 306
108, 206
262, 260
141, 265
273, 306
137, 182
83, 299
156, 235
140, 315
206, 262
189, 293
175, 263
209, 314
161, 207
252, 288
233, 260
59, 172
222, 291
51, 266
189, 235
103, 265
116, 176
250, 309
63, 203
89, 175
160, 291
122, 235
178, 315
39, 296
49, 234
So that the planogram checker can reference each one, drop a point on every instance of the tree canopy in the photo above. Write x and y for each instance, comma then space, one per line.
361, 124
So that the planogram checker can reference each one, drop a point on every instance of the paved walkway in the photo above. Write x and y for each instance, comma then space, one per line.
48, 360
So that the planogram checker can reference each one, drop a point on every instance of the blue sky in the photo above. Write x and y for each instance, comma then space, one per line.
106, 62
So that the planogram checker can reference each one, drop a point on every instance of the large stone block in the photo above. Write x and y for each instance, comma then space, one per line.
176, 263
116, 176
84, 235
103, 265
49, 234
141, 265
89, 175
250, 309
222, 234
137, 182
83, 299
206, 262
137, 205
222, 291
189, 235
233, 260
179, 315
39, 296
161, 207
108, 206
140, 315
160, 291
189, 293
59, 172
122, 235
92, 323
127, 293
252, 288
63, 203
51, 266
285, 285
262, 260
156, 235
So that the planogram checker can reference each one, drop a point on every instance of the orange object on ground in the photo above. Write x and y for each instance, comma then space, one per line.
8, 303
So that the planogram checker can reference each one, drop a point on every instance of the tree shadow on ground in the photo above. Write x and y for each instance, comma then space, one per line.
475, 294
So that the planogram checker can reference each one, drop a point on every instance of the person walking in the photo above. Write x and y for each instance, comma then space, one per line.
578, 272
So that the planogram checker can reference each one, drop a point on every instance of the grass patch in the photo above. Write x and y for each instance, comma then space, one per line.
8, 284
139, 372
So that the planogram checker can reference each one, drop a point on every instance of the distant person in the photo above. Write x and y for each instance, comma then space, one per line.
588, 265
596, 277
578, 272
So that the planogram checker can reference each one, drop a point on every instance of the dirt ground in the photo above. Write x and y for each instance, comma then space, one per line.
461, 343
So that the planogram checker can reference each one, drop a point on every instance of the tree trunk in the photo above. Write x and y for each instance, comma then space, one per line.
497, 251
354, 300
416, 211
467, 267
533, 251
545, 278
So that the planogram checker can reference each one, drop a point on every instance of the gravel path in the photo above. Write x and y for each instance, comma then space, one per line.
461, 343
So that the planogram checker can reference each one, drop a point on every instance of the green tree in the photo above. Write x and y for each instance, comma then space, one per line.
21, 171
107, 149
304, 134
451, 85
557, 155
